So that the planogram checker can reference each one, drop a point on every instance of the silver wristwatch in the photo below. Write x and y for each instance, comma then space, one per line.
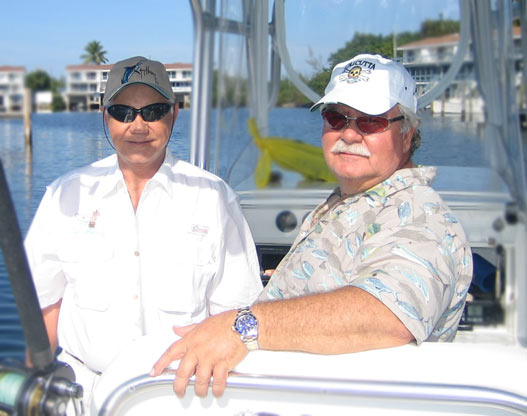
246, 326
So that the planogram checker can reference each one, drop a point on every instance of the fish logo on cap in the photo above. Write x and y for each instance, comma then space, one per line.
129, 70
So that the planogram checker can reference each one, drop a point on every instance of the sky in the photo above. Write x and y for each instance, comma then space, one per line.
51, 34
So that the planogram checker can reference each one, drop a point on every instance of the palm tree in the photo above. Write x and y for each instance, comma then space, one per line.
94, 53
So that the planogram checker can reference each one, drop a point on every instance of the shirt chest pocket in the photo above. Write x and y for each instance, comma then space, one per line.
183, 288
193, 249
86, 260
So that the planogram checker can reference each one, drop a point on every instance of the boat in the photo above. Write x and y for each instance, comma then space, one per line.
483, 370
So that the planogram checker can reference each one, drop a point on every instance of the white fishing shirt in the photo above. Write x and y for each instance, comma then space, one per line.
186, 253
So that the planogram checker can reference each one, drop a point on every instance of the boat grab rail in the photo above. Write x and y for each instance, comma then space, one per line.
443, 393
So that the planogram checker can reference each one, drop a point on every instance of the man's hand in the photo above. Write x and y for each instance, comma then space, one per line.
209, 349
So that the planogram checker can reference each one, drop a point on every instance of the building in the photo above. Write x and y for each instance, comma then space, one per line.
180, 76
429, 59
42, 101
85, 85
12, 90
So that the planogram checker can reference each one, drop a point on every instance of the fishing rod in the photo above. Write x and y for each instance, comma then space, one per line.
47, 387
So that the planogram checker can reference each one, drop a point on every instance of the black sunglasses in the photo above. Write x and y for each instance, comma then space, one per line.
127, 114
365, 124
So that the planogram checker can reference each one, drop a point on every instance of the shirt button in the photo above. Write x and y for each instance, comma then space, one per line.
136, 253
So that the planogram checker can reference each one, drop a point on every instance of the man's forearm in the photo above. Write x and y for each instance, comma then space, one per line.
50, 315
342, 321
51, 320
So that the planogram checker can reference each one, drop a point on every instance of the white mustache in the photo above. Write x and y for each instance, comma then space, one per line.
354, 149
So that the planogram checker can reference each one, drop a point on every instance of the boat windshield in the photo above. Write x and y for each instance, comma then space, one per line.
266, 63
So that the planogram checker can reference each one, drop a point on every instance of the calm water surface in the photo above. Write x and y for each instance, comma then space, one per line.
65, 141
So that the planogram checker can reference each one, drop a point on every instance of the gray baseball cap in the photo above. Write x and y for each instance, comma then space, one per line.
138, 70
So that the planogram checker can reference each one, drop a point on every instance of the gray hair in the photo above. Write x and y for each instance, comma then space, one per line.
411, 121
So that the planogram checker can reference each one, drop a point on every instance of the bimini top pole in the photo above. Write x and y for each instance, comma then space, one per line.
201, 81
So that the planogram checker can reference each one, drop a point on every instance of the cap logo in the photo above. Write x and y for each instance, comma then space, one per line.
130, 70
357, 71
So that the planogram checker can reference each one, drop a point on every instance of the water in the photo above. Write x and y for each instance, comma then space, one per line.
64, 141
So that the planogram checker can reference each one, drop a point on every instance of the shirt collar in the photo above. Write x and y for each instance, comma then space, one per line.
164, 175
404, 178
400, 179
376, 195
114, 180
104, 176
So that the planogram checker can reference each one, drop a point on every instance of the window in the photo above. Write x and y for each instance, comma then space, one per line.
79, 87
441, 53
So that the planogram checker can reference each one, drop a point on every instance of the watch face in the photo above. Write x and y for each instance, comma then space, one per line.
244, 324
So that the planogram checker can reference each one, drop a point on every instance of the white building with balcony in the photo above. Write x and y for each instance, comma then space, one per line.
85, 85
180, 76
12, 90
428, 60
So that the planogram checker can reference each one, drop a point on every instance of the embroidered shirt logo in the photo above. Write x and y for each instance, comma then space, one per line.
87, 221
93, 219
199, 229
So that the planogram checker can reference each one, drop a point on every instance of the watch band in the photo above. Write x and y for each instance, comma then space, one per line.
251, 343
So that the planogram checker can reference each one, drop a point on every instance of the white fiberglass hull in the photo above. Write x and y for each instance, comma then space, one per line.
432, 379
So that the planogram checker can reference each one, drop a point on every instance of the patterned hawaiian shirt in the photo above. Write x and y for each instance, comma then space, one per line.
398, 241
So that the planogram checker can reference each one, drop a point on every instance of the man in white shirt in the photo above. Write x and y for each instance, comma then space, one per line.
139, 241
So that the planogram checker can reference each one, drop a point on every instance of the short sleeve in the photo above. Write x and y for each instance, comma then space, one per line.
40, 245
410, 270
237, 282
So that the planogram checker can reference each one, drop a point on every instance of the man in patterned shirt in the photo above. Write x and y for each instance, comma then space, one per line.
382, 262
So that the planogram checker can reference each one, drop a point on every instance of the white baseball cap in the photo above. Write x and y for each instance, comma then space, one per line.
370, 84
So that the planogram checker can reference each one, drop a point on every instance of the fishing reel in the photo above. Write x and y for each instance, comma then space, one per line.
26, 392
